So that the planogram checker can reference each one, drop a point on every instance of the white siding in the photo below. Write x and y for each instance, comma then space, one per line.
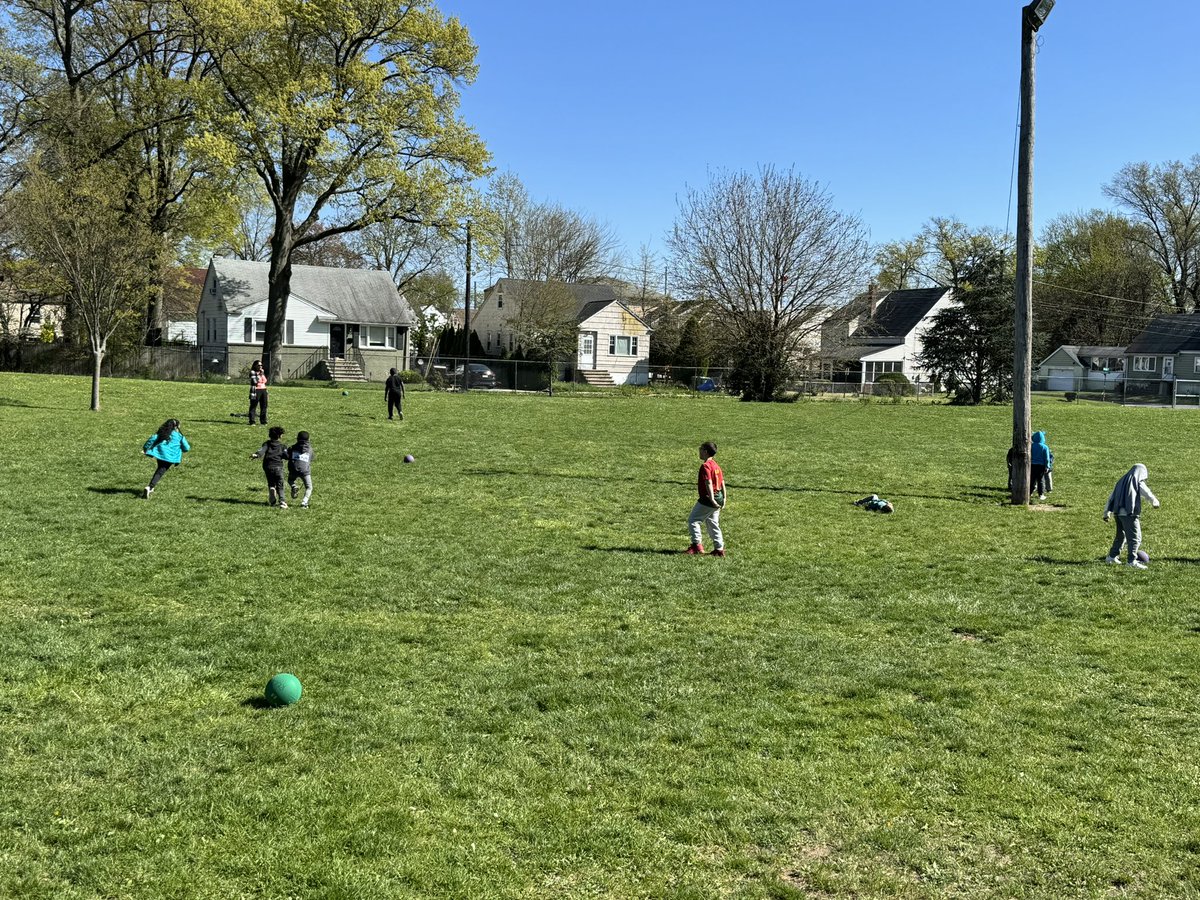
614, 319
308, 331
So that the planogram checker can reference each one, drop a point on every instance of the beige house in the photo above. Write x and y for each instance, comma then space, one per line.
613, 341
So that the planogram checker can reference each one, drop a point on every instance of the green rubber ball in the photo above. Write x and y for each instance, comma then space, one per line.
283, 689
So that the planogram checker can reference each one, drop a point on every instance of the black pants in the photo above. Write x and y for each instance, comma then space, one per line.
395, 401
1036, 474
160, 472
274, 483
258, 399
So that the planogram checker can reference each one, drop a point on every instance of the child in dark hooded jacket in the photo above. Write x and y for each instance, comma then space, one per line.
273, 454
300, 457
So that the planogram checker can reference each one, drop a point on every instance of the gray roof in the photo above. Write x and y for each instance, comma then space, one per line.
363, 296
589, 298
1171, 333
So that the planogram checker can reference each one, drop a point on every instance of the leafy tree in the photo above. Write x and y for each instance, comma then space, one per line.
1165, 199
899, 264
346, 111
79, 229
1095, 281
969, 345
774, 255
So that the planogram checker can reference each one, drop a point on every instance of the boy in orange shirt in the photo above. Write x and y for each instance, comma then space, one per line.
710, 484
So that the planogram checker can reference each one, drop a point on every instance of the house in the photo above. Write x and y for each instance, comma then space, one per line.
613, 344
341, 323
875, 333
29, 316
1164, 360
1079, 368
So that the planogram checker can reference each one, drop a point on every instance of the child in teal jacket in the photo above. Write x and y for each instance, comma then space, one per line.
167, 445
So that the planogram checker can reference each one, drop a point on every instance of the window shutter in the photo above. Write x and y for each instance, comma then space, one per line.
249, 335
291, 331
612, 345
633, 346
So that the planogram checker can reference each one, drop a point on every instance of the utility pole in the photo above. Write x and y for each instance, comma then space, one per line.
1033, 17
466, 379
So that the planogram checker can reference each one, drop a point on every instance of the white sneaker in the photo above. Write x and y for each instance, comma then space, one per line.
146, 492
1136, 565
1041, 496
282, 504
1111, 560
304, 504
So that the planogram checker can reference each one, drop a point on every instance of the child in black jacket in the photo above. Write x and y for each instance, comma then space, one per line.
273, 454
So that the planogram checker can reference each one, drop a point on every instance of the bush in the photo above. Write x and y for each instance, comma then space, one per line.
408, 376
893, 384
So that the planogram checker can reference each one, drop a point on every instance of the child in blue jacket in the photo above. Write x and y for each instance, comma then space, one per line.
1041, 461
167, 445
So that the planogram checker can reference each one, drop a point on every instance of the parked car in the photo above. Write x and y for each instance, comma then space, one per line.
481, 376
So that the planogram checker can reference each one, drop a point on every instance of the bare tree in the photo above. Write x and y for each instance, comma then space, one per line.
547, 242
774, 256
545, 322
1165, 199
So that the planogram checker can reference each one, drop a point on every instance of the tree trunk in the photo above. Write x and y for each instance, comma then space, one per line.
154, 315
97, 359
279, 283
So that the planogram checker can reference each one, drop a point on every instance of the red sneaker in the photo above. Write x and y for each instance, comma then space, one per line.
720, 551
695, 550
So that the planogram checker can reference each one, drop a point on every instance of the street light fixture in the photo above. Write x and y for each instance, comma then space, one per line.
1037, 12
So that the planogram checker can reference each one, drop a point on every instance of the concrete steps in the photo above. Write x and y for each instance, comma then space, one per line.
345, 370
597, 377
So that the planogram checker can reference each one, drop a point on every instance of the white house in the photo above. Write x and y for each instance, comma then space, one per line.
874, 334
613, 341
344, 323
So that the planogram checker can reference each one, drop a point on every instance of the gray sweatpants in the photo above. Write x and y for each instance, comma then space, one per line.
1129, 531
307, 479
711, 517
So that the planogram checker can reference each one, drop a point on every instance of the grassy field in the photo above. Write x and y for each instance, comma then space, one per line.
516, 686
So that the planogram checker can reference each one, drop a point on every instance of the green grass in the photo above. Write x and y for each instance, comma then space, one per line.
516, 687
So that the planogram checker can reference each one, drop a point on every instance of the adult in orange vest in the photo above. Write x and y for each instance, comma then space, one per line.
258, 391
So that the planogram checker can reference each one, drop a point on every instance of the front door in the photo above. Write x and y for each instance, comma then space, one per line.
1168, 368
337, 340
587, 350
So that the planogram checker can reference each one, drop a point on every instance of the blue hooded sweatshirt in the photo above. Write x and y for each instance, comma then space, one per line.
171, 450
1039, 451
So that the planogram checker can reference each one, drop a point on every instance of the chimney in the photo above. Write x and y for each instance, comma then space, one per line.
872, 299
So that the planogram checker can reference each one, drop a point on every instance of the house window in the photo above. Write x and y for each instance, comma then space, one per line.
622, 345
1144, 364
377, 335
500, 302
291, 332
1196, 365
489, 341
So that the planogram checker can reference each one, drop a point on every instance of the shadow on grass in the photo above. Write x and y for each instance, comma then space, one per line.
652, 550
1064, 562
236, 500
258, 702
116, 491
9, 401
234, 419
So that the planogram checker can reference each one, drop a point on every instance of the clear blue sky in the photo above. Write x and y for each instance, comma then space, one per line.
903, 110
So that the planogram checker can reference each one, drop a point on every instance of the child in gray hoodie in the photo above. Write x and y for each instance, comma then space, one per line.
1125, 502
